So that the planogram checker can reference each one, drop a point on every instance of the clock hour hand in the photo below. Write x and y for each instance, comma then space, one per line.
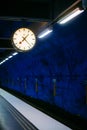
24, 38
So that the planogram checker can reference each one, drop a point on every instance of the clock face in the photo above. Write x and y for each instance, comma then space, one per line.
23, 39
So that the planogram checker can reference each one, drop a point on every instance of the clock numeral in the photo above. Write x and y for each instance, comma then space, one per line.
14, 38
24, 48
16, 34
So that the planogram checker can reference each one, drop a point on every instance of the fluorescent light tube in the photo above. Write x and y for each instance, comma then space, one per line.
15, 53
3, 61
10, 57
6, 59
45, 32
70, 16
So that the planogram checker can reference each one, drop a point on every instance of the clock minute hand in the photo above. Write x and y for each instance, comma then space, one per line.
24, 38
27, 42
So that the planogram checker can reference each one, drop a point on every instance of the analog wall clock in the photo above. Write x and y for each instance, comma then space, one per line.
23, 39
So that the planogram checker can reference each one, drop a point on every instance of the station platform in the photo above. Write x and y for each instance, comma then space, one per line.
15, 114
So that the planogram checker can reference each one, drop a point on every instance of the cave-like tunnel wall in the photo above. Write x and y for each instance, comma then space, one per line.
55, 71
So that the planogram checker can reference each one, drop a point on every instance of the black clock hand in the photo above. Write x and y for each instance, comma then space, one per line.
24, 38
27, 42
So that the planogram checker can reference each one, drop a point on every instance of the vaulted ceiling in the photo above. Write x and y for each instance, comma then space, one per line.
35, 14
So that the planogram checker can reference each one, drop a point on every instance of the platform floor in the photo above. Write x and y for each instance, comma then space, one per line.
39, 119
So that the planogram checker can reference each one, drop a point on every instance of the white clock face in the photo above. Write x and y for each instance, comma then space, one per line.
24, 39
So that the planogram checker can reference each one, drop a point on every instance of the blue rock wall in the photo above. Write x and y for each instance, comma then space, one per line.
55, 71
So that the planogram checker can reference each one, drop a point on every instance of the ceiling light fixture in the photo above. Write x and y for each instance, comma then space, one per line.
45, 32
70, 16
15, 53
